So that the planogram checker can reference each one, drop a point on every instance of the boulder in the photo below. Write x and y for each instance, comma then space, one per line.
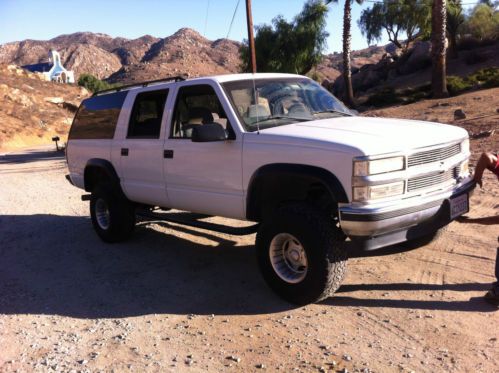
54, 100
15, 95
419, 57
391, 48
459, 114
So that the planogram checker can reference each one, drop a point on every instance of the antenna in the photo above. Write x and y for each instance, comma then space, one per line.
255, 97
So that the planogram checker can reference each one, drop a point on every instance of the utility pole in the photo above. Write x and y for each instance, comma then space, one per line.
251, 38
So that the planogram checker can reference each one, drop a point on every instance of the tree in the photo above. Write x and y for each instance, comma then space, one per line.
347, 41
455, 18
411, 17
292, 47
438, 48
92, 83
483, 22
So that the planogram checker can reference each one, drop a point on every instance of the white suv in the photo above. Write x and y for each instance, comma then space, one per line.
320, 183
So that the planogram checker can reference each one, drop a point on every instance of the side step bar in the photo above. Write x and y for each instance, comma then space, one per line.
169, 217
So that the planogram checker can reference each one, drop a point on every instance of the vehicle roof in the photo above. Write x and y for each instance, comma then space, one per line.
218, 78
246, 76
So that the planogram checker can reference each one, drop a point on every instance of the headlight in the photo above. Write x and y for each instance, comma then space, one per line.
365, 193
464, 169
378, 166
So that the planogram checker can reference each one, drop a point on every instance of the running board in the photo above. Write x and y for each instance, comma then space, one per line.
169, 217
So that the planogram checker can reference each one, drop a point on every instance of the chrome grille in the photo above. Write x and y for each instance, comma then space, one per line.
434, 155
428, 181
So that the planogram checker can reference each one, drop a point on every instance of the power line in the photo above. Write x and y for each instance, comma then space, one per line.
233, 16
206, 18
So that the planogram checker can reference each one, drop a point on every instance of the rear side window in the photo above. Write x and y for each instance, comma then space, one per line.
97, 117
147, 112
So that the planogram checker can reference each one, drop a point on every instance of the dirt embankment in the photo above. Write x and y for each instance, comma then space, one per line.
33, 111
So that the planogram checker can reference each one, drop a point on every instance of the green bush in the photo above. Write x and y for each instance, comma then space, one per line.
94, 84
457, 85
483, 78
486, 78
386, 97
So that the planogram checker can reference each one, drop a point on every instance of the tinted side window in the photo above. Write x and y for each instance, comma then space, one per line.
97, 117
147, 112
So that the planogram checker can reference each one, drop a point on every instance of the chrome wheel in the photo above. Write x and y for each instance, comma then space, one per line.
102, 214
288, 258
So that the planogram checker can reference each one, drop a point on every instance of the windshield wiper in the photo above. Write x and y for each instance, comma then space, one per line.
272, 117
332, 111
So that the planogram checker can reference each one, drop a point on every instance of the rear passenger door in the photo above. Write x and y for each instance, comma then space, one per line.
141, 153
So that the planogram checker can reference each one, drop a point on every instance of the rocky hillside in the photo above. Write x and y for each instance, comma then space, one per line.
120, 59
397, 69
123, 60
32, 111
184, 53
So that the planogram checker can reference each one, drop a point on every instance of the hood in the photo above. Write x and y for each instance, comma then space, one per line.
367, 135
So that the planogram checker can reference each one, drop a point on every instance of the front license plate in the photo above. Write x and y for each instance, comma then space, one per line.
459, 206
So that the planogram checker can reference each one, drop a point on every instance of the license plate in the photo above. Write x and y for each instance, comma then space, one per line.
459, 205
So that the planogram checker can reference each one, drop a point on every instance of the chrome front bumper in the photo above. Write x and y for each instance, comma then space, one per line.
395, 220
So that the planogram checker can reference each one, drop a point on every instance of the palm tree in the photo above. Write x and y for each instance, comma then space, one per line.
439, 48
455, 18
347, 41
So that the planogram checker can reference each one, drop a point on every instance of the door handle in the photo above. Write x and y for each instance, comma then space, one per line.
168, 153
124, 152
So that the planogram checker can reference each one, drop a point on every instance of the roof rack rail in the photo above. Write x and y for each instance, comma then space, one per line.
140, 84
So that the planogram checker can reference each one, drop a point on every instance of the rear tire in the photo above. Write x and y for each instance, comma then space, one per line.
113, 216
300, 254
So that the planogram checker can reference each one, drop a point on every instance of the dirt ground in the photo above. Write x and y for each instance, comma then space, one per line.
181, 299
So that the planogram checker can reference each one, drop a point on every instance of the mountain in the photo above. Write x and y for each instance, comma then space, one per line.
186, 52
122, 60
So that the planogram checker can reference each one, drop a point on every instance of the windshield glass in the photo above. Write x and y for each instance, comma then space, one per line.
265, 103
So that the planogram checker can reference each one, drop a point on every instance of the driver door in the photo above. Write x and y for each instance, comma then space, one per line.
203, 177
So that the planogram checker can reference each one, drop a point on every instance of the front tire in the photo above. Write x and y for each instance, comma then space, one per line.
113, 216
300, 254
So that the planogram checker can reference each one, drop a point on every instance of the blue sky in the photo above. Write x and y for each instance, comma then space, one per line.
37, 19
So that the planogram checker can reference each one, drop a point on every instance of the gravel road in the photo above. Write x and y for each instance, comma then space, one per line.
180, 299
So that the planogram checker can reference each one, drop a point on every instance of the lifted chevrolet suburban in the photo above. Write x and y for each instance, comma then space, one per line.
319, 182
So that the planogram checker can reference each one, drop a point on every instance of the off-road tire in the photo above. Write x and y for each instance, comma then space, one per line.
121, 222
322, 241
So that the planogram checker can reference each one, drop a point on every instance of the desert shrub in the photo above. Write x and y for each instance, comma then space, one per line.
486, 78
470, 42
385, 97
315, 75
92, 83
416, 94
457, 85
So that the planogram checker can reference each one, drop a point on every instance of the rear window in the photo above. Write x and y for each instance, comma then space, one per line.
97, 117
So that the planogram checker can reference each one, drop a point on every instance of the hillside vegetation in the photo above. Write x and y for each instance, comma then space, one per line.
32, 111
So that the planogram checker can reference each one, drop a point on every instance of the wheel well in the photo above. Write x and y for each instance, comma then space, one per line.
273, 185
99, 170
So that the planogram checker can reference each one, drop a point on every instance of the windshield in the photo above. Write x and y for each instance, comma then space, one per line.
265, 103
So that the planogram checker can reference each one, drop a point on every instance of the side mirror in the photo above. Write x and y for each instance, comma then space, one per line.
209, 132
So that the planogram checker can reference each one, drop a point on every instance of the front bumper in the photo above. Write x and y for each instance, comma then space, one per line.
370, 228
